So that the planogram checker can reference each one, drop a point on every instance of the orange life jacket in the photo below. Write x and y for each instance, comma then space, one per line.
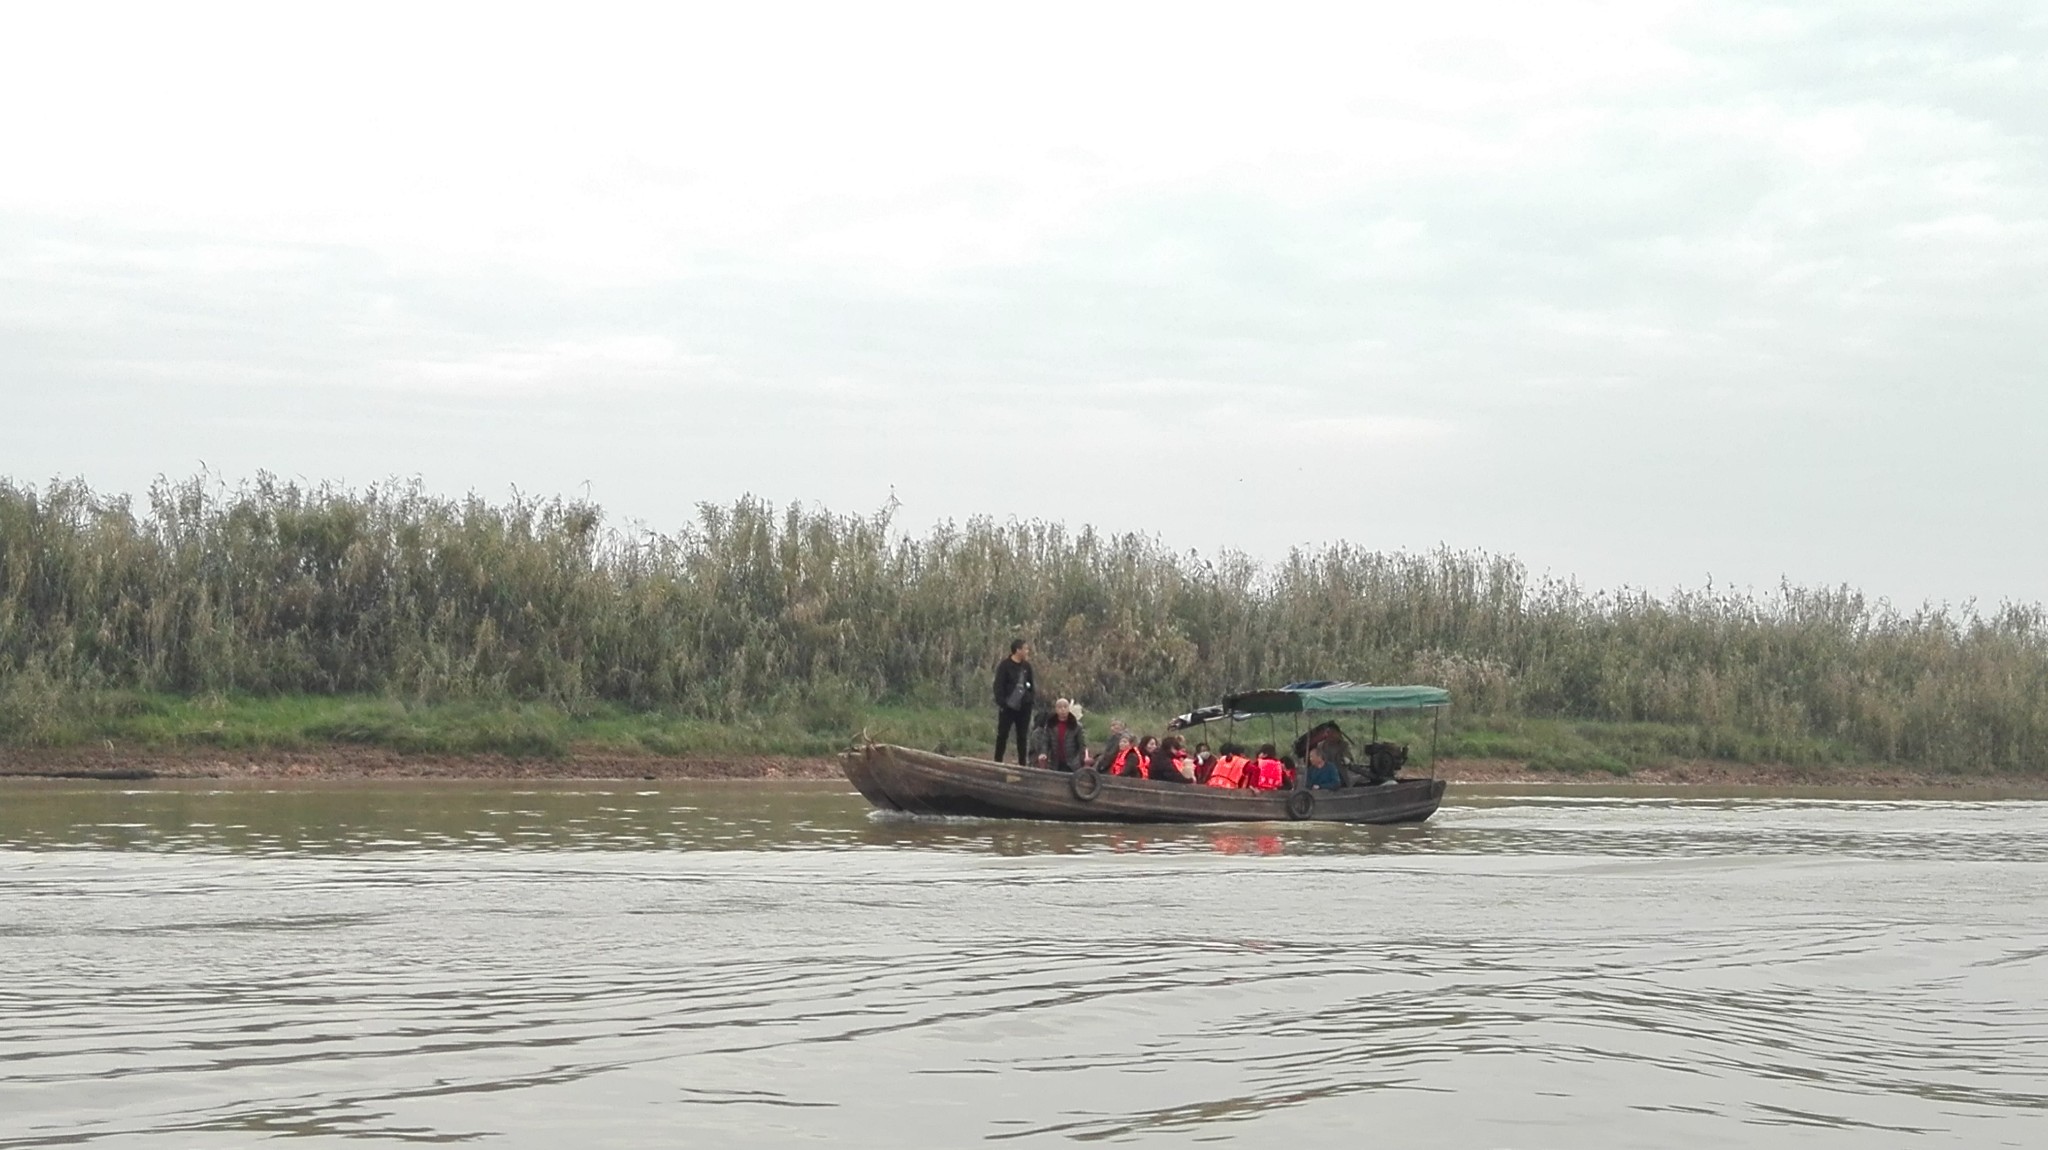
1267, 774
1129, 761
1229, 771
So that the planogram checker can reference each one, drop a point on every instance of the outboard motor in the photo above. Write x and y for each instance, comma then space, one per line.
1383, 761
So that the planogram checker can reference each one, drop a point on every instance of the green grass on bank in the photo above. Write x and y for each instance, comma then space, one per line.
525, 730
539, 730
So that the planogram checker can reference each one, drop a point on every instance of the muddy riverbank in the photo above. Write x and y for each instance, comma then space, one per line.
346, 763
342, 764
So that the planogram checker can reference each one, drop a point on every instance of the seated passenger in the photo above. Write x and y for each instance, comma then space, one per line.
1322, 775
1229, 769
1122, 759
1205, 762
1267, 772
1330, 737
1118, 730
1170, 762
1148, 746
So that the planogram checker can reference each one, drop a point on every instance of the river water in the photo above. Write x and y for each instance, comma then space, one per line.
757, 964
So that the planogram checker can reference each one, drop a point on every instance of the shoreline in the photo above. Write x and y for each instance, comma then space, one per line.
370, 764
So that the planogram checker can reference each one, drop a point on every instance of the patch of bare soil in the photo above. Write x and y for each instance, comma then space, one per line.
343, 763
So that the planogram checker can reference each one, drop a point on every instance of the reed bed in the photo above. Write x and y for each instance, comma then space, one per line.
275, 589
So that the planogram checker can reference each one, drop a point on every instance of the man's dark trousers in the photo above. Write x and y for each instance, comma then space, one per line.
1005, 719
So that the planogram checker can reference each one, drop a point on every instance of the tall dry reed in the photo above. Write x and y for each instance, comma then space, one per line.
272, 587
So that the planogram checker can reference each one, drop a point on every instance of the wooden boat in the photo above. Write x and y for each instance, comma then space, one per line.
921, 782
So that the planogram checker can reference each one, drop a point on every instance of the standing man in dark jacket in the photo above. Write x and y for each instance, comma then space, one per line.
1016, 689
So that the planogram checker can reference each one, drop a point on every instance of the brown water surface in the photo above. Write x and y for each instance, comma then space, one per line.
770, 964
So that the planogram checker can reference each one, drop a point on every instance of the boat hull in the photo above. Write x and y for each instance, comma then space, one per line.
920, 782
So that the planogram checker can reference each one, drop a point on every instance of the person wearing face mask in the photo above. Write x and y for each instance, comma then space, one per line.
1230, 768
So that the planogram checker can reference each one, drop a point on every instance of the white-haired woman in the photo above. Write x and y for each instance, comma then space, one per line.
1056, 738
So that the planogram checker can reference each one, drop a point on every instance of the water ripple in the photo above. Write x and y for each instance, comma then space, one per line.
1766, 974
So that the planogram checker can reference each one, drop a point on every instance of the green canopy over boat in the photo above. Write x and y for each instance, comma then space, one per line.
1326, 696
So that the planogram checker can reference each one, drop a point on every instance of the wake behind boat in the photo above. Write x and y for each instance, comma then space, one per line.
897, 778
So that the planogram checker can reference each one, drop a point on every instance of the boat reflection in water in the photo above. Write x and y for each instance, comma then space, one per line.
1248, 844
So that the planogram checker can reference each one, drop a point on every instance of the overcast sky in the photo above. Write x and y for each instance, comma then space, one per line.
1646, 293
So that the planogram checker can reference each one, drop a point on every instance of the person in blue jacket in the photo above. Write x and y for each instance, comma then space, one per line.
1323, 776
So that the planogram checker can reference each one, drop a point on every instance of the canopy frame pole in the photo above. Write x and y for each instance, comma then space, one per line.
1436, 723
1300, 768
